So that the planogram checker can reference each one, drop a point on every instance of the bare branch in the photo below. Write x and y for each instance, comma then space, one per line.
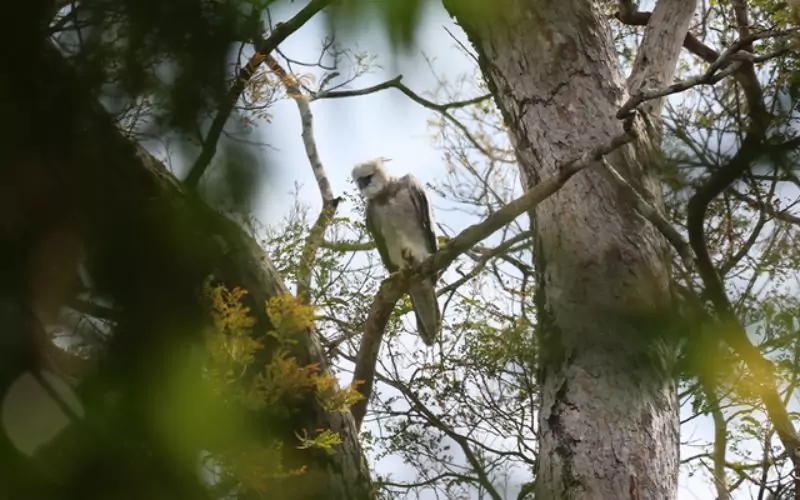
658, 53
710, 77
690, 42
396, 83
745, 76
329, 203
731, 60
281, 32
443, 109
462, 442
393, 287
347, 246
781, 215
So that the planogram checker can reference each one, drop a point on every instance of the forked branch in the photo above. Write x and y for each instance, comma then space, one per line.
281, 32
725, 64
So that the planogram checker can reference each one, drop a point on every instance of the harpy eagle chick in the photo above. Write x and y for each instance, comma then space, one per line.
400, 220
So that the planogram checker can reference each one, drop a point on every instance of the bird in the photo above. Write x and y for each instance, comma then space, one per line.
400, 220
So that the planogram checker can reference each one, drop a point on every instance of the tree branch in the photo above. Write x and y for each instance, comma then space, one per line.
462, 442
710, 77
742, 22
745, 76
659, 50
727, 63
443, 109
731, 329
329, 203
396, 83
781, 215
631, 17
347, 246
652, 214
281, 32
484, 259
393, 287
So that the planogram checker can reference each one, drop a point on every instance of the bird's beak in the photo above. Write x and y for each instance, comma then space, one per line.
363, 182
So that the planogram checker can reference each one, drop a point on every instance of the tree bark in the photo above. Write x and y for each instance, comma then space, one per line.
67, 169
609, 415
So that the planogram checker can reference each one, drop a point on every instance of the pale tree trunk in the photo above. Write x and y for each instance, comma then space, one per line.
608, 419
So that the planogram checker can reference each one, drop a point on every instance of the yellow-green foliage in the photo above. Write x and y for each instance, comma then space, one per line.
277, 388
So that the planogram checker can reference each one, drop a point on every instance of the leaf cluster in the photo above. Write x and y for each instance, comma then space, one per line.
274, 391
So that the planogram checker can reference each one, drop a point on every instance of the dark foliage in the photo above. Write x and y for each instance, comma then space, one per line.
177, 52
74, 192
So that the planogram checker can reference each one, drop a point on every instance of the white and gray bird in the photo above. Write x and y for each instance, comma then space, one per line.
400, 220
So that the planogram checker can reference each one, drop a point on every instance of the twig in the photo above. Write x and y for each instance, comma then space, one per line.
710, 77
730, 60
781, 215
393, 287
487, 255
396, 83
443, 109
281, 32
329, 203
745, 76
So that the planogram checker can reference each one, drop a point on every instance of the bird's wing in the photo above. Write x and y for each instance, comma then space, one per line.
422, 208
377, 236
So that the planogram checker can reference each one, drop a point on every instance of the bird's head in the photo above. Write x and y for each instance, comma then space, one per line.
371, 177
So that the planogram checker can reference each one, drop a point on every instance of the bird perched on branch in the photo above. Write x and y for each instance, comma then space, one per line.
400, 220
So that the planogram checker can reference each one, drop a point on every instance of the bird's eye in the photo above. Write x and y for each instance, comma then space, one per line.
364, 181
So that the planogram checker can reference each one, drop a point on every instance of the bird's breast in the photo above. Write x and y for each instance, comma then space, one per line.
401, 232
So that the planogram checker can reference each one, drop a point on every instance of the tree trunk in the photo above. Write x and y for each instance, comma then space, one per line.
608, 418
68, 170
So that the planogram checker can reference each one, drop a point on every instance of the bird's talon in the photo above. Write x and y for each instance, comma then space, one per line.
408, 257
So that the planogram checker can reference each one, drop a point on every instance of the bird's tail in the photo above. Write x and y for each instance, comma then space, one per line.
426, 309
